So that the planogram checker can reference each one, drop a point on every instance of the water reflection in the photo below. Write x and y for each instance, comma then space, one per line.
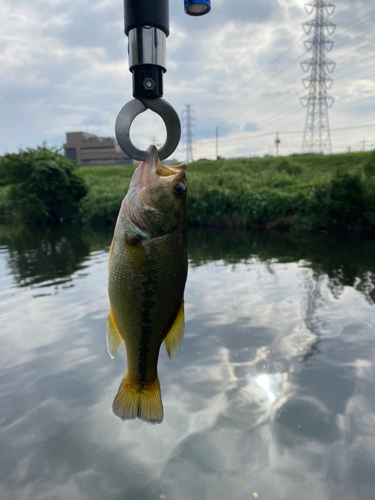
272, 390
270, 383
42, 255
46, 256
346, 261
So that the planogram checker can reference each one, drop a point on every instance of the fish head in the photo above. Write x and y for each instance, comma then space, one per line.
156, 199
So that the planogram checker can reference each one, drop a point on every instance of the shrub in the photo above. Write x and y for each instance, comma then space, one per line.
107, 187
44, 185
347, 201
284, 165
369, 167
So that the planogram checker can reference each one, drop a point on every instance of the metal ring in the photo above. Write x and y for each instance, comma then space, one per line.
134, 108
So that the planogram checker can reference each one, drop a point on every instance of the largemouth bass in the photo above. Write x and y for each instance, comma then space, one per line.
147, 275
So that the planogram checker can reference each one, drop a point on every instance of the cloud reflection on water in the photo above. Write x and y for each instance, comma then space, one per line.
246, 409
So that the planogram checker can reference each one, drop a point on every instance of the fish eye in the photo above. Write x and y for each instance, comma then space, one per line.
179, 188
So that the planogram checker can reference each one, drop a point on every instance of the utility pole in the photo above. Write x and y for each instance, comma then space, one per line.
277, 142
217, 143
317, 136
187, 120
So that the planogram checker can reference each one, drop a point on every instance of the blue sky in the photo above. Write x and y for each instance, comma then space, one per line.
64, 68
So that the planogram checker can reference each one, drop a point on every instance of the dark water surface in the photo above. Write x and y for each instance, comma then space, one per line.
272, 392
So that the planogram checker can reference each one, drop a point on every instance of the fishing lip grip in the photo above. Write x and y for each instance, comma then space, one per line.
147, 28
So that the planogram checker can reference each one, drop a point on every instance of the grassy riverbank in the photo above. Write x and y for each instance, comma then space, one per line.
300, 192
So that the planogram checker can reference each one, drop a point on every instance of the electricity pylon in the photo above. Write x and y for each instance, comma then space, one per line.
317, 136
187, 120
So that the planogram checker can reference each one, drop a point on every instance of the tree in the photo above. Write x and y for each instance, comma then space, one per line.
45, 186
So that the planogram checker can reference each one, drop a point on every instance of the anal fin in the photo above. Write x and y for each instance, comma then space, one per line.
114, 339
174, 337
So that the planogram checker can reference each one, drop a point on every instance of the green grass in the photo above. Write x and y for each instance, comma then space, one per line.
107, 188
312, 192
300, 192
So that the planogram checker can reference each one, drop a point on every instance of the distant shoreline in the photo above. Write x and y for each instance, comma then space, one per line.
297, 193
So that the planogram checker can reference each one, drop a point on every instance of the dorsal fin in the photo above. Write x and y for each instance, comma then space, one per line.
163, 170
178, 168
166, 171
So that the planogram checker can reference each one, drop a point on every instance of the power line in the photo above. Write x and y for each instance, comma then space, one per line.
355, 71
356, 62
355, 127
353, 50
338, 12
343, 8
348, 100
267, 106
269, 64
356, 23
355, 38
203, 149
241, 107
261, 86
277, 124
345, 83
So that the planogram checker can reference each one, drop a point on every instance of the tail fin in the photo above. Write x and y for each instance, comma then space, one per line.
135, 401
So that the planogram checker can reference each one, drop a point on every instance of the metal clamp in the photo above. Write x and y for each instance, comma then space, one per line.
147, 46
134, 108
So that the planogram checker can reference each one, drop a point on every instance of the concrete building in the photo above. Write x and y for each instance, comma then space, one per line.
89, 150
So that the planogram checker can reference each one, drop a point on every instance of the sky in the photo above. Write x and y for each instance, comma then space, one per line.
64, 68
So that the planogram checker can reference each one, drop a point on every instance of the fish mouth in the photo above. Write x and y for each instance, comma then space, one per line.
152, 156
139, 187
148, 166
150, 178
154, 168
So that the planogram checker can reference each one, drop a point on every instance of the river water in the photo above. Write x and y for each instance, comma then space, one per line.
271, 396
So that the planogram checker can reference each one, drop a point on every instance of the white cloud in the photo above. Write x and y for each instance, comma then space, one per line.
64, 67
362, 88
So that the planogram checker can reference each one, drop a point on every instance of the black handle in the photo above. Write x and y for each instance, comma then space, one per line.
153, 13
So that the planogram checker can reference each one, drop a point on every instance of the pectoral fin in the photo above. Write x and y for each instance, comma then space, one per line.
114, 339
111, 250
174, 337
